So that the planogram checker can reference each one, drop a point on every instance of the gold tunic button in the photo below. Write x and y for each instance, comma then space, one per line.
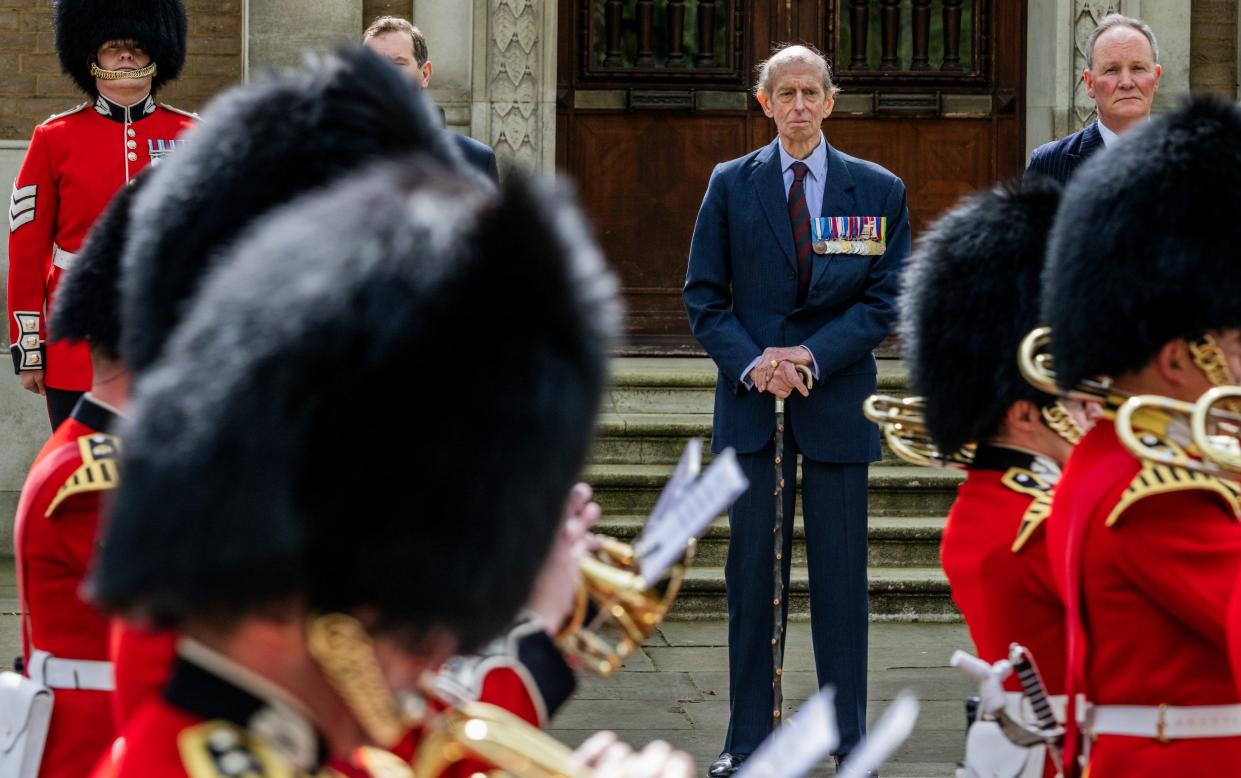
132, 157
131, 132
132, 144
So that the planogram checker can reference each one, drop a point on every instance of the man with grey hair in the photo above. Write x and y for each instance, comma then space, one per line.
1122, 76
794, 264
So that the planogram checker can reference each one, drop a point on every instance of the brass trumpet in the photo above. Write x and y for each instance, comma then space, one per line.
616, 609
1217, 430
902, 421
1035, 363
1197, 436
479, 730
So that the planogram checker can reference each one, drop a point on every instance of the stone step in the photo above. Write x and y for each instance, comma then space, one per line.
907, 491
892, 542
659, 438
687, 384
896, 594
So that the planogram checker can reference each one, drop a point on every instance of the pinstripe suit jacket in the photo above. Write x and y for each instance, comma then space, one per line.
1059, 158
741, 290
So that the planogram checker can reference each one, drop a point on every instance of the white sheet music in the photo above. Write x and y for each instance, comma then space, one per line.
688, 515
688, 468
797, 746
882, 740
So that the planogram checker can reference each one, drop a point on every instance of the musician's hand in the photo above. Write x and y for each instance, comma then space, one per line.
608, 757
555, 590
786, 380
32, 381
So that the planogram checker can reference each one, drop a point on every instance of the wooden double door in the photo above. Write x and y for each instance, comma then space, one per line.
652, 94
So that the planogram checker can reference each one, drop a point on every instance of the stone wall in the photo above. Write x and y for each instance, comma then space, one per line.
1213, 47
372, 9
33, 88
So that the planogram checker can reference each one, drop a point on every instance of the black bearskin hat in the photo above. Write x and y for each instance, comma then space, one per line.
290, 445
82, 26
259, 146
88, 299
1144, 248
970, 294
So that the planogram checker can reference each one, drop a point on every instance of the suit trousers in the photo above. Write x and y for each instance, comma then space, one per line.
834, 503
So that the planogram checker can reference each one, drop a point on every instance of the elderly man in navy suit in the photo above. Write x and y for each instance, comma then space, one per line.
406, 47
1122, 76
795, 261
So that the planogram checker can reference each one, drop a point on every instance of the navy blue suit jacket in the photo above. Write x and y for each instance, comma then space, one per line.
1059, 158
741, 290
479, 155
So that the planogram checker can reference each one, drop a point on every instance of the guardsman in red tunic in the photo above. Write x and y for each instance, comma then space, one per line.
318, 555
120, 55
64, 637
1143, 300
971, 293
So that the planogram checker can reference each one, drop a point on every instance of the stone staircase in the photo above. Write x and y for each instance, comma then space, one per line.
655, 404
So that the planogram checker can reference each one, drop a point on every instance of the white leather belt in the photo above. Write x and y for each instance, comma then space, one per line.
1165, 722
63, 259
1020, 709
55, 673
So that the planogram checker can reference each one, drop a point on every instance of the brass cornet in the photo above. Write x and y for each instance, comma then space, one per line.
1216, 428
1198, 436
902, 421
506, 742
1035, 363
616, 610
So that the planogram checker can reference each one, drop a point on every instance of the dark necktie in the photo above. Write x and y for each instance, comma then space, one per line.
799, 217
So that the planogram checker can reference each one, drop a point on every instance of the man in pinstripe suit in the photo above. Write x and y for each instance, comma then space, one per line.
1122, 76
795, 260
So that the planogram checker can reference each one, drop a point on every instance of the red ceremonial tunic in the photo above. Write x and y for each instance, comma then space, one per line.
75, 163
522, 672
54, 538
995, 554
1153, 555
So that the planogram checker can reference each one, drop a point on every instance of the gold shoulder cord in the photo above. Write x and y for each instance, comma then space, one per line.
117, 75
1060, 421
344, 650
1026, 481
1209, 358
97, 473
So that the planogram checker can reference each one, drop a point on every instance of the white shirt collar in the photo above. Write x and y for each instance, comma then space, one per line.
817, 161
1109, 137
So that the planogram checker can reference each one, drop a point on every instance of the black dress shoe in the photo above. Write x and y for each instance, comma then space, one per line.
726, 765
840, 762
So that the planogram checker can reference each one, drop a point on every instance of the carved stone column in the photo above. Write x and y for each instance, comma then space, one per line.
1086, 16
515, 81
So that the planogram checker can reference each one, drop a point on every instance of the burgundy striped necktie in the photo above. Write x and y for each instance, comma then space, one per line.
799, 216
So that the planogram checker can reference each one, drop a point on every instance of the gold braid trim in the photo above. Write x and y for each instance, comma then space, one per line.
1060, 421
343, 649
1025, 481
97, 473
117, 75
1209, 358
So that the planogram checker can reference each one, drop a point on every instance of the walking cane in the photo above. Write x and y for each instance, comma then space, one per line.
777, 629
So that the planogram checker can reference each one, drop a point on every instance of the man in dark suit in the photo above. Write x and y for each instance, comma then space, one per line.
770, 287
406, 47
1122, 76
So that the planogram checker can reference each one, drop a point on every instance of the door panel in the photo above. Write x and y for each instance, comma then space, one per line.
931, 89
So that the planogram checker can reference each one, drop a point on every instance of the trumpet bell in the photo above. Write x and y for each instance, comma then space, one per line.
1215, 426
616, 609
901, 419
1034, 361
485, 732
